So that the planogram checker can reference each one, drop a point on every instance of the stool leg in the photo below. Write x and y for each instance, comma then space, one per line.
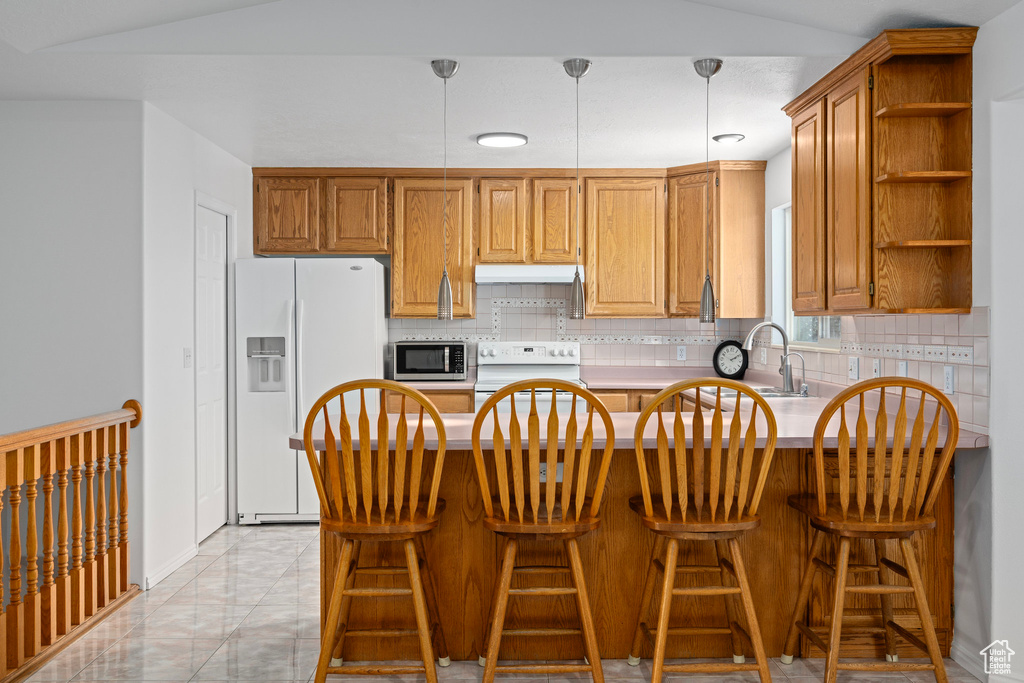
586, 618
333, 612
498, 618
420, 607
667, 583
842, 569
804, 594
748, 606
887, 614
921, 599
346, 606
481, 659
435, 616
730, 609
645, 603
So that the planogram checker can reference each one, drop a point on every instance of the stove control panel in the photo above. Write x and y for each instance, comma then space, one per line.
528, 353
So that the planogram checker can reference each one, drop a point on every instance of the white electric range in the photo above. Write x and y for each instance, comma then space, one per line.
501, 363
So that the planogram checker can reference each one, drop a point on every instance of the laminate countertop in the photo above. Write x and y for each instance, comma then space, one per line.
795, 419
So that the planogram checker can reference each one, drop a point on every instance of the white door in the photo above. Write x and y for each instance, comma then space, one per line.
211, 372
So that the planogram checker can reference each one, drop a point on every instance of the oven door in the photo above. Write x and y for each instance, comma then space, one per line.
429, 361
563, 402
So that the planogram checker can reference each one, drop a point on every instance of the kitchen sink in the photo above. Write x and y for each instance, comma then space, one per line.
766, 392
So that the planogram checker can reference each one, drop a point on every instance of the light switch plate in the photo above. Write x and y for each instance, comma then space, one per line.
948, 379
186, 356
854, 368
680, 353
902, 368
876, 367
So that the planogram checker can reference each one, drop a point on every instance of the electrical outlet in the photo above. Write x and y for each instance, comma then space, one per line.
544, 472
854, 368
902, 369
186, 355
876, 367
948, 379
764, 356
680, 353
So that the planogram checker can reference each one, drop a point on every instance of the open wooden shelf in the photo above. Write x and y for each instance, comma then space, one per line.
922, 244
923, 177
907, 109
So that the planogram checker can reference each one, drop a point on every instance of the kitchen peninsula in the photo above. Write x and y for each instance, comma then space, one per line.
464, 557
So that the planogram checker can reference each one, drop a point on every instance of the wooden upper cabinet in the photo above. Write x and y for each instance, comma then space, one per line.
689, 205
625, 274
808, 209
419, 245
356, 219
287, 215
554, 220
502, 220
848, 194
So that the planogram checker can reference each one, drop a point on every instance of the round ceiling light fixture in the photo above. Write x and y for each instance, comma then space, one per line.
731, 138
501, 139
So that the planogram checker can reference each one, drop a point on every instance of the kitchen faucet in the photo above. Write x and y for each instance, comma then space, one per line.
786, 370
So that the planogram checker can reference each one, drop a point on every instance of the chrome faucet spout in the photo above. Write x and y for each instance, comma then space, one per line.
785, 369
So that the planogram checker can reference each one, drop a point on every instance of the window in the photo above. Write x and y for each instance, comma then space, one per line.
819, 331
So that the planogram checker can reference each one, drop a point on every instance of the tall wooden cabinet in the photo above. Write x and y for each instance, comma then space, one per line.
729, 194
882, 179
419, 246
625, 274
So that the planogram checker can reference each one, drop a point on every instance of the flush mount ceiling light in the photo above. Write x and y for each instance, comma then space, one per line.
731, 138
501, 139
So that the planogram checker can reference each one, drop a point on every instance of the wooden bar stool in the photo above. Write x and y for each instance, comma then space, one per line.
881, 494
519, 504
375, 495
699, 493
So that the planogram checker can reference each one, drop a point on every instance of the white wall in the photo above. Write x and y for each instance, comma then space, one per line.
177, 163
778, 186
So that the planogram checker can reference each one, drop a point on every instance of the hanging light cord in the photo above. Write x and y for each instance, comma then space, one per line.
577, 174
444, 201
707, 178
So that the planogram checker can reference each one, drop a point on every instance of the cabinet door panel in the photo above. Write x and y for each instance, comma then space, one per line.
287, 215
849, 195
502, 220
419, 245
688, 217
554, 220
808, 214
356, 216
626, 247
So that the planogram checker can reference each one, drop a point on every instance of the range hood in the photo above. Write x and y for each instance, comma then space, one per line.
502, 274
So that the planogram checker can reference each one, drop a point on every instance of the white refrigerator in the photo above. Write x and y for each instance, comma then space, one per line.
302, 326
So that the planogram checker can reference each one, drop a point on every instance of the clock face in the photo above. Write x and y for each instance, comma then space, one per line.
730, 360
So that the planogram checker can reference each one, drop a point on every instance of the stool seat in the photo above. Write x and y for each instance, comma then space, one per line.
386, 526
694, 524
556, 526
834, 522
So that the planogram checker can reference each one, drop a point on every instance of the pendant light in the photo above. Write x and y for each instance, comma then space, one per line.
706, 68
445, 69
577, 68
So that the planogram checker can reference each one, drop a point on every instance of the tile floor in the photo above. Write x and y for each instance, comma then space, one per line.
246, 609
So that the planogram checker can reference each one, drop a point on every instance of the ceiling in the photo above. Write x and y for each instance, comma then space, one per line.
348, 82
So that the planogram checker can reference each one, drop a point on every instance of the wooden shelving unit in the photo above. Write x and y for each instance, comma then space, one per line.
916, 109
923, 177
921, 244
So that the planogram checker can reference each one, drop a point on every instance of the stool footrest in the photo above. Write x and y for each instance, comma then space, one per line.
896, 567
540, 569
707, 590
375, 669
690, 568
382, 633
879, 589
908, 636
381, 571
885, 666
541, 632
710, 667
377, 592
697, 631
812, 636
542, 668
537, 591
824, 566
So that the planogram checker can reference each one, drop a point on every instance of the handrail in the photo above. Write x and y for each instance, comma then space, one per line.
61, 430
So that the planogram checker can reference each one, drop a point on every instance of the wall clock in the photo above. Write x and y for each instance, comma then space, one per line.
730, 360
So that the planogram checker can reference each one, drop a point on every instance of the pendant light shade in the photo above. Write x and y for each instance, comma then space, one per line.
577, 68
706, 68
444, 69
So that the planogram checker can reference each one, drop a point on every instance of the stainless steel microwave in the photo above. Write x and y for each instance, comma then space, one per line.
428, 360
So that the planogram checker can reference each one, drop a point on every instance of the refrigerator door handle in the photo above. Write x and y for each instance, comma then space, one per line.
290, 318
300, 415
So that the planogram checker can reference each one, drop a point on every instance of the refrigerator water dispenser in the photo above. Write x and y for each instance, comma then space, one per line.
267, 369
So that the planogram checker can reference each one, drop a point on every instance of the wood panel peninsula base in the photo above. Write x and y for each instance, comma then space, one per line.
465, 559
